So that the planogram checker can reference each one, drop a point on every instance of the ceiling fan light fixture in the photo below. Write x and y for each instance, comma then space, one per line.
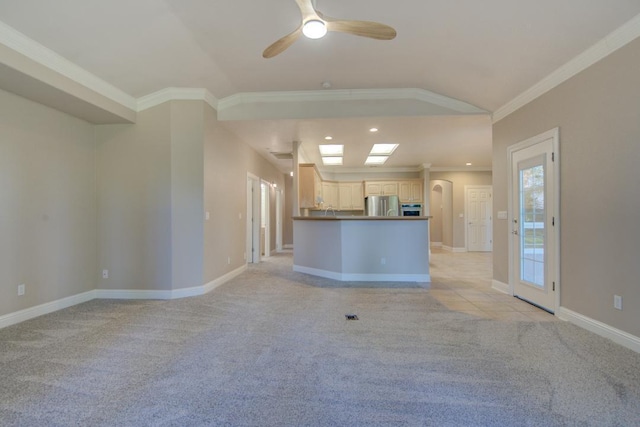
314, 29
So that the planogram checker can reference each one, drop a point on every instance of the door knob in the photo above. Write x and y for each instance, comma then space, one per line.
515, 232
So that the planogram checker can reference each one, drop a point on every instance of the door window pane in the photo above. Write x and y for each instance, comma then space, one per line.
532, 225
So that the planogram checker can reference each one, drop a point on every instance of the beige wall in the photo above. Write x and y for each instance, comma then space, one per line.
227, 161
459, 180
47, 204
78, 198
598, 114
134, 202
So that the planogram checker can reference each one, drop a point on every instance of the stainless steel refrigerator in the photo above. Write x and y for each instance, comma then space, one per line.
382, 206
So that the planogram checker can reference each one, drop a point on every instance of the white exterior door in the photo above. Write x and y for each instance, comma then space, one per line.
534, 220
479, 209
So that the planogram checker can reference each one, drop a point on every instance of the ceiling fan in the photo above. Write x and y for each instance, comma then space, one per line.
315, 25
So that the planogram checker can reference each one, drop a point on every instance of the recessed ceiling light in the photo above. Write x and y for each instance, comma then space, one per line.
332, 161
383, 149
328, 137
331, 150
468, 163
376, 160
373, 130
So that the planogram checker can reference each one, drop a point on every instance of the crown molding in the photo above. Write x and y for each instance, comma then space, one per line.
350, 95
176, 94
33, 50
461, 169
614, 41
370, 169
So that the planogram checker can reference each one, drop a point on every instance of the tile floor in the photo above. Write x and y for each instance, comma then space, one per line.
462, 282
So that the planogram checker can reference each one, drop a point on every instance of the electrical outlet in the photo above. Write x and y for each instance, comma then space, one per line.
229, 260
105, 274
617, 302
383, 261
21, 289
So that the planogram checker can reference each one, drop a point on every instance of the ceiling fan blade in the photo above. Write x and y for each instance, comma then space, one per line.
307, 10
373, 30
282, 44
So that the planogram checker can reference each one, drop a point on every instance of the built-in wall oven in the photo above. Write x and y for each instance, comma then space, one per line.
411, 209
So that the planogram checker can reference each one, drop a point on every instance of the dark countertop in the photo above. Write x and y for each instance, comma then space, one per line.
361, 218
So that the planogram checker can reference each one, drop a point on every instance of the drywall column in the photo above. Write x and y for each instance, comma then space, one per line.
187, 193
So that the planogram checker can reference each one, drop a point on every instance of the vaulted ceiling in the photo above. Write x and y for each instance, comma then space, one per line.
433, 89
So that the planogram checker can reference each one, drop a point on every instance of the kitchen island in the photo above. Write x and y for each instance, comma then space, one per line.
362, 248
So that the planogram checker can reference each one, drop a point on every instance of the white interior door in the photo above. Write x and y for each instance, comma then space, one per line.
534, 221
479, 209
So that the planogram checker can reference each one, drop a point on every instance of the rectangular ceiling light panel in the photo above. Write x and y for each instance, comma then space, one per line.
383, 149
331, 150
332, 161
376, 160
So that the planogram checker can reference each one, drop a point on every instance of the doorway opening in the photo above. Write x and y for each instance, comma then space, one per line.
441, 203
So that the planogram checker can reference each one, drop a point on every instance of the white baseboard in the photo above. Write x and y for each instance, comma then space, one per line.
616, 335
436, 244
223, 279
454, 250
500, 287
50, 307
288, 246
348, 277
42, 309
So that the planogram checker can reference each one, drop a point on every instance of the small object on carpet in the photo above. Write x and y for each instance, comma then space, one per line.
351, 316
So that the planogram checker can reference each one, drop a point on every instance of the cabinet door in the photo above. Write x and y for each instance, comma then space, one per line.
357, 196
389, 188
416, 191
373, 189
330, 194
345, 196
307, 187
404, 191
410, 191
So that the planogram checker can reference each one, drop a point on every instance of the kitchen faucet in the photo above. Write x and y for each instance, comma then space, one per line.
332, 210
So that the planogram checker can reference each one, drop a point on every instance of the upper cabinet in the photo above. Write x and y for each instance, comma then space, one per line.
330, 195
410, 191
351, 196
381, 188
309, 185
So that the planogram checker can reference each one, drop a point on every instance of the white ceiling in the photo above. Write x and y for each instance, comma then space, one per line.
483, 53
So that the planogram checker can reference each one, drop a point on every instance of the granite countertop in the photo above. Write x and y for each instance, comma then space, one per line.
361, 218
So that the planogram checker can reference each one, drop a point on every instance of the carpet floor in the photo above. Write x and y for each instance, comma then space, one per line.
273, 348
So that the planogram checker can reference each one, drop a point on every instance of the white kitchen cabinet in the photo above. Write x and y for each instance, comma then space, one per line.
410, 191
351, 196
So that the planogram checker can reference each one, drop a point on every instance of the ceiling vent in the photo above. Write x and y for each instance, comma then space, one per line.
282, 156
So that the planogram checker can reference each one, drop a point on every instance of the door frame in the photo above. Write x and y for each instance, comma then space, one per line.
554, 135
267, 216
279, 217
466, 214
253, 212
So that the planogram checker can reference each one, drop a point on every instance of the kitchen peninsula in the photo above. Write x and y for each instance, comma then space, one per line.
362, 248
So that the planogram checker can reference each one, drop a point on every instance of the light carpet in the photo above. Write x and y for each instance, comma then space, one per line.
273, 348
